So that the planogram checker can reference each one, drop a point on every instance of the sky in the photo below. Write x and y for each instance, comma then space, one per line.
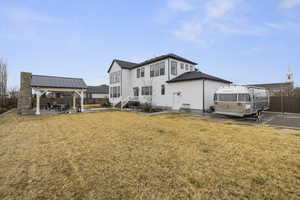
244, 41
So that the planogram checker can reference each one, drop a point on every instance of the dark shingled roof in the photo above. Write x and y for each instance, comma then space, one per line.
194, 75
130, 65
101, 89
57, 82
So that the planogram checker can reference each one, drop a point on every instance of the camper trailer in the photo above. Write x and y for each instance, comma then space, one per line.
237, 100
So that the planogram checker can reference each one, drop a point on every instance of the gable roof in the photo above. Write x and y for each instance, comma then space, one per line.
131, 65
195, 75
57, 82
101, 89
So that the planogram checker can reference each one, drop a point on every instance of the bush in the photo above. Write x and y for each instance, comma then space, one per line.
106, 104
147, 108
3, 110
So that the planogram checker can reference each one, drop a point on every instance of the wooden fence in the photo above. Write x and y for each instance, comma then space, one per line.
289, 104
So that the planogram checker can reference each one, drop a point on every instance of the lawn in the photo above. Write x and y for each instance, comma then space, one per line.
120, 155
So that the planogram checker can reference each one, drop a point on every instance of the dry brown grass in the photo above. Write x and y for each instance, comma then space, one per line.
87, 106
119, 155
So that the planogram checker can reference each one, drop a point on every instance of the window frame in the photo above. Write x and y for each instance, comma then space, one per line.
174, 66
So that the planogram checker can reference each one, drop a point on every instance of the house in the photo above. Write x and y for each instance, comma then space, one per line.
96, 94
168, 81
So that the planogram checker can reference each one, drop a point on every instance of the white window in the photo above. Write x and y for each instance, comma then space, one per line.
191, 68
115, 77
186, 67
136, 91
151, 70
162, 69
143, 72
156, 69
115, 92
138, 72
147, 90
173, 68
181, 66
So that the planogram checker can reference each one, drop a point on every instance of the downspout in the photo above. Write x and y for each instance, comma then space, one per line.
203, 101
168, 69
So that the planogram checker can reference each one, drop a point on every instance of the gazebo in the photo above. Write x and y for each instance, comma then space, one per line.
42, 84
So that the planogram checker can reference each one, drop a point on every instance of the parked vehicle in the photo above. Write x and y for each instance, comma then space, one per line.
237, 100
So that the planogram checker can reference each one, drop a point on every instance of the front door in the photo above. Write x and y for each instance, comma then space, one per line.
177, 98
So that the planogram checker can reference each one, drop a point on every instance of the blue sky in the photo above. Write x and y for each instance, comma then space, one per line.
239, 40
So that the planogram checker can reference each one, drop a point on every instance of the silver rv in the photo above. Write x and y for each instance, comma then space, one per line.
237, 100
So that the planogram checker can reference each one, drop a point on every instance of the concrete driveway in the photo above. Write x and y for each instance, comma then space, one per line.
268, 118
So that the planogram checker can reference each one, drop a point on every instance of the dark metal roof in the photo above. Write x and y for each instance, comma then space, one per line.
275, 85
194, 75
57, 82
101, 89
130, 65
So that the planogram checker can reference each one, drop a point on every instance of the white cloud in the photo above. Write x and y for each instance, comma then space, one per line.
274, 25
289, 3
180, 5
219, 8
20, 15
189, 31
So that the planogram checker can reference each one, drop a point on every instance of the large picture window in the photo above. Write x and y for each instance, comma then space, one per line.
173, 68
115, 77
147, 90
115, 92
157, 69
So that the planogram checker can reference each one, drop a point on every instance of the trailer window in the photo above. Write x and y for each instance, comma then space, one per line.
244, 97
228, 97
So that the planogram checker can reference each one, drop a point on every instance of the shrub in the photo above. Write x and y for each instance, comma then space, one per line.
147, 108
106, 103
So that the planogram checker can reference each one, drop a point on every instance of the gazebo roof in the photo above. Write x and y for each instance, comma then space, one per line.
57, 82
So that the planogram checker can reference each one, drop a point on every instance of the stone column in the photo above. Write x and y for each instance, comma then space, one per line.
25, 95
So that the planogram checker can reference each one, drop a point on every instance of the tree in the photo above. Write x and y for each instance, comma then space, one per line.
3, 81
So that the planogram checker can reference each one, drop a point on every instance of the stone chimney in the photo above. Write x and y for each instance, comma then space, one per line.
25, 95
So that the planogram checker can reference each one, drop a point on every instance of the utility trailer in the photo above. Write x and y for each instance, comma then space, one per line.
238, 100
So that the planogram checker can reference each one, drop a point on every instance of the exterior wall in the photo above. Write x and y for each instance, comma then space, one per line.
115, 68
25, 95
156, 82
189, 94
99, 96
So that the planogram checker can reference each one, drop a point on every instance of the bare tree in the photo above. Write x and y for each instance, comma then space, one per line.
3, 81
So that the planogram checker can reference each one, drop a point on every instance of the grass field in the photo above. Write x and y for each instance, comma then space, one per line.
119, 155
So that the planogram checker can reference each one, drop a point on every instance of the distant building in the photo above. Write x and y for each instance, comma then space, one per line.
278, 89
96, 94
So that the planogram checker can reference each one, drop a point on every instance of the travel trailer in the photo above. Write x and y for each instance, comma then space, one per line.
237, 100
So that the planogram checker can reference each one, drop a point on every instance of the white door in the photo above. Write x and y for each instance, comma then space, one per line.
177, 98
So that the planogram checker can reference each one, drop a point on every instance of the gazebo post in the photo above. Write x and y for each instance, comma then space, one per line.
81, 94
74, 101
38, 95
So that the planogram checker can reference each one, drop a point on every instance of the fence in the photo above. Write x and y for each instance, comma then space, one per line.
289, 104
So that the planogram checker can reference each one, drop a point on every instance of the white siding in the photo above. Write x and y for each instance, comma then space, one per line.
191, 92
99, 96
115, 68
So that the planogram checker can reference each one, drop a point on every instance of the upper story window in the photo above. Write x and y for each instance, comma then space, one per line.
181, 66
173, 68
140, 72
147, 90
143, 72
115, 77
186, 67
157, 69
191, 67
